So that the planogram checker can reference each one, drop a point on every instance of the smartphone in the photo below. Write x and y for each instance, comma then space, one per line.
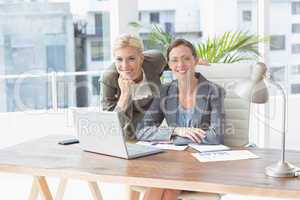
68, 141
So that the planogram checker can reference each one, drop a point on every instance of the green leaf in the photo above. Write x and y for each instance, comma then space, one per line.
230, 47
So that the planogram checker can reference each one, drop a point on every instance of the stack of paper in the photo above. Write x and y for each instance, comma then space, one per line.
224, 155
166, 146
206, 148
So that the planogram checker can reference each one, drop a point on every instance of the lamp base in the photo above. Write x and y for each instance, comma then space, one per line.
282, 169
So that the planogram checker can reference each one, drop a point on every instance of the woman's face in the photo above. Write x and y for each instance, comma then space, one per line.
128, 61
182, 62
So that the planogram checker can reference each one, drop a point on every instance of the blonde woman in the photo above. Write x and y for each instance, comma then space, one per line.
129, 84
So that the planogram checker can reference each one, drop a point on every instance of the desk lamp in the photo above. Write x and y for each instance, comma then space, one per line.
255, 91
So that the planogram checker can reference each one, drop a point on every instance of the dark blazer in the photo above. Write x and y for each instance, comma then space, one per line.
209, 114
153, 66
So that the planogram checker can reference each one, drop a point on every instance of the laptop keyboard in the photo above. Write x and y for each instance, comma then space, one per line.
134, 149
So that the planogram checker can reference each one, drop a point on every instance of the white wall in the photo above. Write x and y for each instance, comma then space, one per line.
275, 116
218, 16
156, 5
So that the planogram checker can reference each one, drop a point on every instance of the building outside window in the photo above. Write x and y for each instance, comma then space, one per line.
277, 42
295, 69
98, 24
295, 88
247, 15
154, 17
56, 57
169, 28
296, 8
277, 73
97, 51
295, 48
96, 85
296, 28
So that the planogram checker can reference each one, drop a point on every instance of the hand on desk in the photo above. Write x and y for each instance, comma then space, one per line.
195, 134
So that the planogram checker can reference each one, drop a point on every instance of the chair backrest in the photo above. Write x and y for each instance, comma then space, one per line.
237, 110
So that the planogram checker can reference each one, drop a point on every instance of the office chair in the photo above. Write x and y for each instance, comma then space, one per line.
237, 115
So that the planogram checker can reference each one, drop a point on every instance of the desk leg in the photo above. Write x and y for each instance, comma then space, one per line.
43, 187
61, 189
134, 195
34, 191
95, 190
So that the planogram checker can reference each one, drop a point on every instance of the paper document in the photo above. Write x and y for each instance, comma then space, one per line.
224, 155
206, 148
166, 146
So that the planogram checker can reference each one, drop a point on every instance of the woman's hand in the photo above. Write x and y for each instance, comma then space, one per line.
125, 93
195, 134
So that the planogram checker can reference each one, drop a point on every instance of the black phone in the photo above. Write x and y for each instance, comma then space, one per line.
68, 141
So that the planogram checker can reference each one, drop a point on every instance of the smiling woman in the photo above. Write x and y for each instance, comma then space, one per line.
129, 84
192, 106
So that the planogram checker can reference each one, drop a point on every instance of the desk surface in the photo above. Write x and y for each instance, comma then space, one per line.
171, 169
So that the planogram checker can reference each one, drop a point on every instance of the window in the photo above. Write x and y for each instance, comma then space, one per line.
56, 59
140, 16
97, 51
295, 28
98, 24
295, 48
295, 69
277, 42
96, 85
277, 73
169, 27
247, 15
296, 8
295, 88
154, 17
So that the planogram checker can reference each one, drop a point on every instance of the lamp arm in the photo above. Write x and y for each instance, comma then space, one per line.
282, 91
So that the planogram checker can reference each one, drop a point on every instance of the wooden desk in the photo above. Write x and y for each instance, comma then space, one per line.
171, 169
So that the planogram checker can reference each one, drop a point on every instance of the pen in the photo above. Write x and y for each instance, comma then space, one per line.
156, 143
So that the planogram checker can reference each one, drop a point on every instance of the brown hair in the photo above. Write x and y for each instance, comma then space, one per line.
183, 42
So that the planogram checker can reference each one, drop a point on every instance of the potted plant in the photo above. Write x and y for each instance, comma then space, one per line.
230, 47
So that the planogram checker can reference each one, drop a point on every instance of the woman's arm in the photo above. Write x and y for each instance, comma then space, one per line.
215, 131
108, 89
148, 129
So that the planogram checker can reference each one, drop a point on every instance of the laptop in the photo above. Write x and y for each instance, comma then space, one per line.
100, 132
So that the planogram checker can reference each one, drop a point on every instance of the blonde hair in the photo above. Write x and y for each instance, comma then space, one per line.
128, 40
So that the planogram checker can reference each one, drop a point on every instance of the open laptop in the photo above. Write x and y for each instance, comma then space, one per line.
100, 132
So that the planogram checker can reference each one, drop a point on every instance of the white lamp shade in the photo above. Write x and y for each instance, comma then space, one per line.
254, 90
